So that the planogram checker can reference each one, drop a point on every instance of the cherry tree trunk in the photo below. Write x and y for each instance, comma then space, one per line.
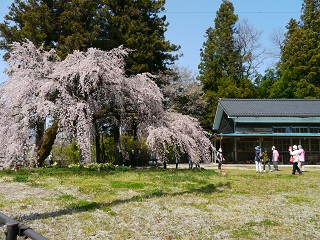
97, 147
46, 142
117, 150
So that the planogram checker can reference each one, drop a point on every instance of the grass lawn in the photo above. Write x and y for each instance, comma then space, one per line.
164, 203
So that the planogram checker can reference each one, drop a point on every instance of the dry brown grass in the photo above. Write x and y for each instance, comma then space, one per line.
165, 204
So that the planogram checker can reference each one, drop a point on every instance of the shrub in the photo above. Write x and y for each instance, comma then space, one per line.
65, 155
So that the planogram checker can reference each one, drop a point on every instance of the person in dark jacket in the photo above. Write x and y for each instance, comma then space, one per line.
257, 159
220, 158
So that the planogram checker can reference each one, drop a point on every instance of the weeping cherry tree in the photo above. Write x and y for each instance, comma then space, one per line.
78, 91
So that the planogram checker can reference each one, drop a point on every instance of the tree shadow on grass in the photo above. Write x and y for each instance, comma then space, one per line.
83, 206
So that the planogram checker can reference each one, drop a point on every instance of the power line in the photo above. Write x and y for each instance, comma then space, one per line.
210, 12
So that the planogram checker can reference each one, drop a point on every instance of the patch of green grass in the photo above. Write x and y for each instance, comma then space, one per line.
253, 229
299, 199
108, 210
155, 192
22, 207
20, 178
198, 206
209, 188
245, 232
268, 223
83, 205
312, 220
67, 197
130, 185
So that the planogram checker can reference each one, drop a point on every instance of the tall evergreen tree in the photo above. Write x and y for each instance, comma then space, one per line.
219, 53
220, 69
105, 24
137, 25
300, 60
263, 83
63, 25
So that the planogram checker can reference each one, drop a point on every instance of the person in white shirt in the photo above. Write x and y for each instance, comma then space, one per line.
294, 152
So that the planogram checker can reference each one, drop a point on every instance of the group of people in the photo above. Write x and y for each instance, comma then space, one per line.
297, 153
263, 158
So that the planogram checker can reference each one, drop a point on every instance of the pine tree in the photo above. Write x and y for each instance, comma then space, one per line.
105, 24
63, 25
300, 59
219, 54
137, 25
221, 67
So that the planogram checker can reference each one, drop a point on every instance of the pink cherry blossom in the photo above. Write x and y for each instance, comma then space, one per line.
77, 91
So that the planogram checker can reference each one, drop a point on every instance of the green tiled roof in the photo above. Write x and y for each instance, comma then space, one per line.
271, 107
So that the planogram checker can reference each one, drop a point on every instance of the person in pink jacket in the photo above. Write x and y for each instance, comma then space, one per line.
294, 152
275, 158
301, 158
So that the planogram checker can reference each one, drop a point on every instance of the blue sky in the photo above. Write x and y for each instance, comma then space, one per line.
189, 19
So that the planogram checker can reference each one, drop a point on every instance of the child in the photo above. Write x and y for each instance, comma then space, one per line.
266, 160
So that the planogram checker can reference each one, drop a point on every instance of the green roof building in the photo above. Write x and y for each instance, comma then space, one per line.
242, 124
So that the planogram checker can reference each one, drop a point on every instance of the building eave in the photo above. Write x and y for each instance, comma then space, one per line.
217, 118
276, 119
287, 135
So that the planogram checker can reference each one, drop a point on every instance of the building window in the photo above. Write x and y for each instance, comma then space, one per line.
281, 129
243, 145
314, 130
296, 130
300, 130
314, 143
282, 145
